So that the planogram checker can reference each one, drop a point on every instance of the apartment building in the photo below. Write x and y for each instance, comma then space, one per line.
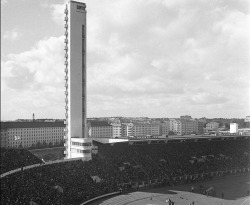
185, 127
212, 126
200, 127
188, 127
141, 129
127, 129
116, 130
174, 126
100, 129
165, 128
29, 133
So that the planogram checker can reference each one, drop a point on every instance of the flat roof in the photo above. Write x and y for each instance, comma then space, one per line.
99, 123
13, 125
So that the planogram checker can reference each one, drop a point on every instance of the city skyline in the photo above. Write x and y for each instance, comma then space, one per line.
144, 58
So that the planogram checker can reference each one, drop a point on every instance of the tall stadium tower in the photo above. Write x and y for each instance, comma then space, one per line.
77, 144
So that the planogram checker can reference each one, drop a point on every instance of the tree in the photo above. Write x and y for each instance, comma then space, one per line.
56, 143
38, 145
61, 142
33, 146
44, 144
50, 144
20, 146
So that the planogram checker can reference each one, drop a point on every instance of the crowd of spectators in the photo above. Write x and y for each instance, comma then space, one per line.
159, 161
74, 182
16, 158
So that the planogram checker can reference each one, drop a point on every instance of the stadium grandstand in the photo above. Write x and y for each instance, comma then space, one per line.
127, 165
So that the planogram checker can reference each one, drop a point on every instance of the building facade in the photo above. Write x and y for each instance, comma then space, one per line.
127, 129
141, 129
29, 134
185, 127
100, 129
165, 128
116, 130
75, 82
200, 127
233, 128
247, 121
212, 126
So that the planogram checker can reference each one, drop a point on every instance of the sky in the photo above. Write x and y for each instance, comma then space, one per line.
145, 58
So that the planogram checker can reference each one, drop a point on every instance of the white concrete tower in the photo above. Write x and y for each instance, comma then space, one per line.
77, 143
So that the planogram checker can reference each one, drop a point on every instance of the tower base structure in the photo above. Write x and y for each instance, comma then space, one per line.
80, 148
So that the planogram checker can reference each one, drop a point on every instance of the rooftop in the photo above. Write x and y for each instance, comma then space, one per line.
10, 125
98, 123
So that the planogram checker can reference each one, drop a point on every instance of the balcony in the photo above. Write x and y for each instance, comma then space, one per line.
66, 70
66, 26
66, 85
66, 122
66, 40
66, 48
66, 107
66, 18
66, 33
66, 11
66, 115
66, 78
66, 100
66, 63
66, 55
66, 92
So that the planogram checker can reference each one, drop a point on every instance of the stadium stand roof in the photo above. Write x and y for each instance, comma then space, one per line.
175, 139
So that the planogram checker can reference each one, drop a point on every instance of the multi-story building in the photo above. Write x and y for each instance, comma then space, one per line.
141, 129
75, 82
247, 121
116, 127
127, 129
165, 128
185, 127
200, 127
174, 126
30, 133
212, 126
100, 129
188, 127
233, 128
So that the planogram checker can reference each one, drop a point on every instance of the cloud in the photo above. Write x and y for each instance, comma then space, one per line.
57, 12
12, 35
149, 58
154, 51
32, 81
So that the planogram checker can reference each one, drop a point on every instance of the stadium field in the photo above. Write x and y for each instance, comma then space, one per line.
234, 188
